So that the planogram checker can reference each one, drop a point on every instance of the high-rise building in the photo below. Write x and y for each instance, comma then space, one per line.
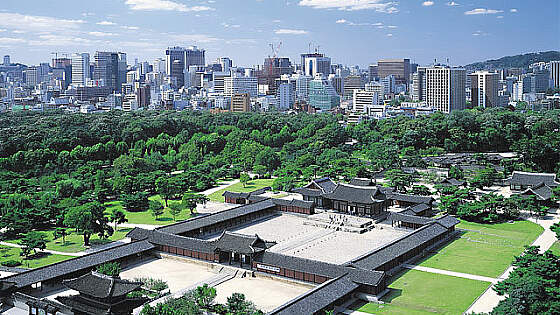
316, 63
322, 95
159, 65
419, 85
272, 70
302, 86
123, 67
7, 60
484, 89
400, 68
555, 73
226, 63
32, 76
241, 103
373, 73
389, 84
80, 69
107, 69
445, 88
286, 95
241, 84
365, 101
352, 83
179, 59
378, 89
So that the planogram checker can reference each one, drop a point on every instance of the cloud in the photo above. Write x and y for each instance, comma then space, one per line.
101, 34
352, 5
2, 30
10, 40
106, 23
284, 31
428, 3
513, 10
37, 23
132, 28
389, 35
343, 21
197, 38
452, 4
479, 33
482, 11
60, 40
163, 5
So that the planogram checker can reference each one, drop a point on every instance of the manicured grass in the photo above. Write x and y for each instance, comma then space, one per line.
145, 217
238, 187
74, 242
555, 248
417, 293
12, 253
484, 249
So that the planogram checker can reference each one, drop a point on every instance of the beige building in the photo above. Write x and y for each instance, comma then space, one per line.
484, 89
400, 68
445, 88
241, 103
555, 73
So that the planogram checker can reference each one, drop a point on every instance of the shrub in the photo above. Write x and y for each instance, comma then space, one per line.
11, 263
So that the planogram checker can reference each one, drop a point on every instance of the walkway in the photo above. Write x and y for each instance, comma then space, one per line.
451, 273
223, 185
78, 254
489, 299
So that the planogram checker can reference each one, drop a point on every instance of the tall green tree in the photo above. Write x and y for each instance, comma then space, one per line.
89, 219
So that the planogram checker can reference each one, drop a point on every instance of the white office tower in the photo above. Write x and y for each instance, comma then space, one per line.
237, 84
389, 84
378, 88
367, 102
80, 69
445, 88
484, 89
286, 96
317, 63
419, 85
555, 73
302, 86
226, 63
159, 65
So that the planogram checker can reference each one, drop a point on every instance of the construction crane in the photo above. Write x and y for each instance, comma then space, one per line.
56, 56
275, 49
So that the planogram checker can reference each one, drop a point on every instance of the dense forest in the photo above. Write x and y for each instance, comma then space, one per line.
60, 169
517, 61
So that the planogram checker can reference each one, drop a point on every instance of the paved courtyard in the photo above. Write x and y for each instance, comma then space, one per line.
178, 274
267, 294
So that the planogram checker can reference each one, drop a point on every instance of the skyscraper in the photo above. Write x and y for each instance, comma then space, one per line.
484, 89
273, 69
316, 63
322, 94
240, 84
418, 86
107, 69
80, 69
241, 102
123, 67
373, 72
7, 60
179, 59
352, 83
555, 73
445, 88
400, 68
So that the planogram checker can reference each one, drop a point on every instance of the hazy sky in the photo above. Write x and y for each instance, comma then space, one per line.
352, 32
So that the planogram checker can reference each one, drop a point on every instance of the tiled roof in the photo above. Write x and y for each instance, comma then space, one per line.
308, 192
317, 299
240, 243
218, 217
357, 194
101, 286
448, 221
329, 292
410, 218
326, 184
294, 203
77, 264
411, 198
362, 182
301, 264
541, 191
452, 182
532, 179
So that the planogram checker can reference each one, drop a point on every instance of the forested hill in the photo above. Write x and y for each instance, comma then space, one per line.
518, 61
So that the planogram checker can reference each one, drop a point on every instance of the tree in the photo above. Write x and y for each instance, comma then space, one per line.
191, 200
32, 241
156, 208
556, 229
456, 172
484, 178
421, 190
111, 269
89, 219
399, 179
175, 209
237, 304
137, 202
117, 217
60, 232
164, 189
244, 178
532, 287
204, 296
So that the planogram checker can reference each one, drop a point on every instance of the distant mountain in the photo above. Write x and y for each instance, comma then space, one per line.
519, 61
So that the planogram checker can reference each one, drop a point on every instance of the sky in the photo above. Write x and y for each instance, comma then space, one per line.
351, 32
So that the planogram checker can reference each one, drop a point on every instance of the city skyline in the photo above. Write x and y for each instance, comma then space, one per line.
351, 33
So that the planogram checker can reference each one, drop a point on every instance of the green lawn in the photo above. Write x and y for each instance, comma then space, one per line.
555, 248
145, 217
418, 293
484, 249
74, 242
12, 253
250, 186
